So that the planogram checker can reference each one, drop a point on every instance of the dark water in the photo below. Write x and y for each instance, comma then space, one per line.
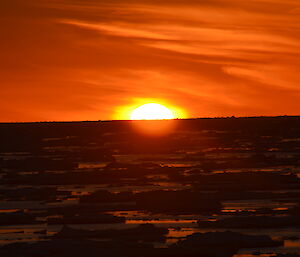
101, 181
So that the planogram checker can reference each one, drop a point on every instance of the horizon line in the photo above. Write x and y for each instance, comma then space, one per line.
198, 118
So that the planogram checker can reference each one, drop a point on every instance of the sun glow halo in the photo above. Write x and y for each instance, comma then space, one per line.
152, 111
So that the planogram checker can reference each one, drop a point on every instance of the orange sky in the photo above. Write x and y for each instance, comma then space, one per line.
83, 59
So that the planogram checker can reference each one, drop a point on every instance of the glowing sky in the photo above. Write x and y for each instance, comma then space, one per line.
83, 59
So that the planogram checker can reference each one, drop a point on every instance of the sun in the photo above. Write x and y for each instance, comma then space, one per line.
152, 111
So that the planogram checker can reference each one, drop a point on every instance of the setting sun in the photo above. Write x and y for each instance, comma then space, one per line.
152, 111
